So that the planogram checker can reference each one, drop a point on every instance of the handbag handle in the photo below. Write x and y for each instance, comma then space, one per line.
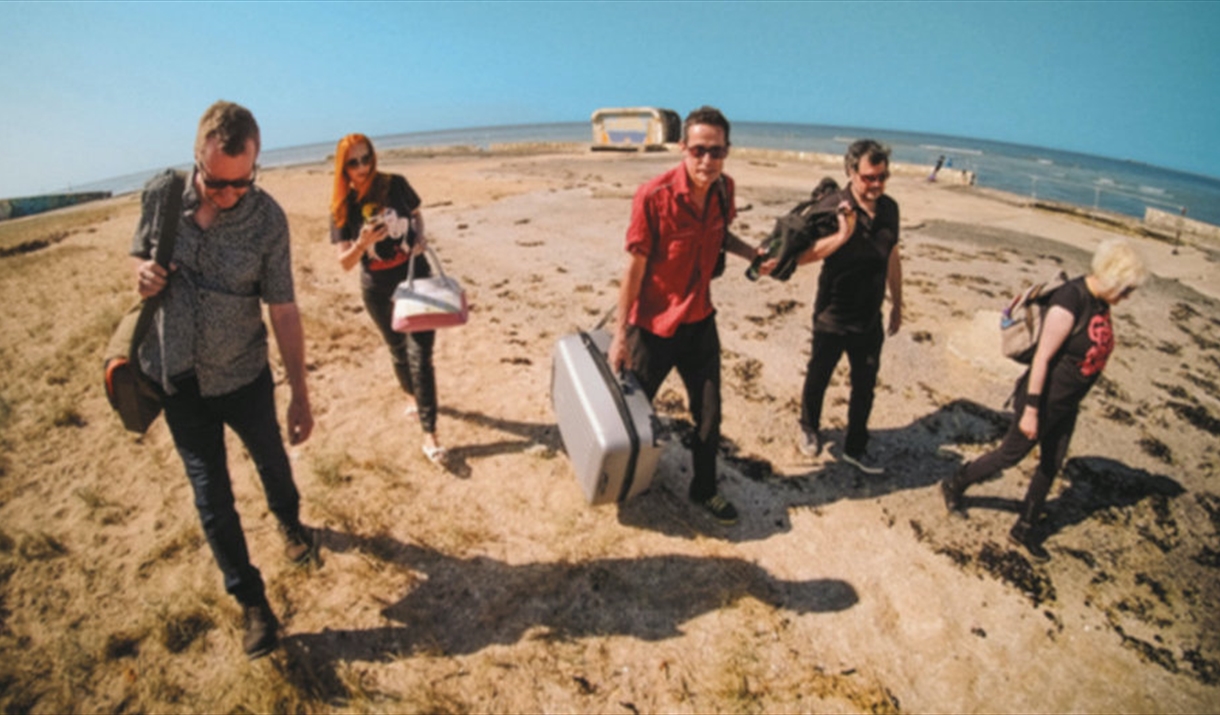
411, 265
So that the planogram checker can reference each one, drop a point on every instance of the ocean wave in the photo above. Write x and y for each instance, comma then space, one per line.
952, 149
1152, 190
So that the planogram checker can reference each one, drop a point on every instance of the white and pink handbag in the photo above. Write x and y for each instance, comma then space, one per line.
429, 303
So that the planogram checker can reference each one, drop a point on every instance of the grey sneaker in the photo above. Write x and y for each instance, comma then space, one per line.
810, 442
261, 630
864, 464
299, 544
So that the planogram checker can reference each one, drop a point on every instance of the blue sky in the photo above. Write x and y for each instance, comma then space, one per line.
90, 91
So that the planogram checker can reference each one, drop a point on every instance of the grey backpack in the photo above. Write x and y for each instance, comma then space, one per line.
1021, 321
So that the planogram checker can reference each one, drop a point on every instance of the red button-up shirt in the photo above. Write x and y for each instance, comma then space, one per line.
681, 244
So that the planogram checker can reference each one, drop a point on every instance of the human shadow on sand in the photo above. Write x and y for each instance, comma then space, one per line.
529, 435
913, 458
462, 605
1094, 484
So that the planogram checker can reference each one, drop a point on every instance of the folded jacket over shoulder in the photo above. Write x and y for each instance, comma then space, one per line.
797, 230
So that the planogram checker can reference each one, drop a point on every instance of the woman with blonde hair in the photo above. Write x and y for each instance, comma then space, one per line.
1076, 341
375, 221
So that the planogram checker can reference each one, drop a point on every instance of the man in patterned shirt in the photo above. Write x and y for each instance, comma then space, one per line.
207, 348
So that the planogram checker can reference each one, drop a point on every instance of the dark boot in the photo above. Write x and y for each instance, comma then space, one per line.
299, 546
1022, 535
261, 630
1023, 532
952, 489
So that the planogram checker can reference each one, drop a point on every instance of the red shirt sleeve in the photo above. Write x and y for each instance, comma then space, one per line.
640, 238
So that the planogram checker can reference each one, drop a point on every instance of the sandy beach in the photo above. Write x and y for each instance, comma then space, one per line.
490, 586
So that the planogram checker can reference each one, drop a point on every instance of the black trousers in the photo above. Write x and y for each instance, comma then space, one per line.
197, 424
1056, 422
411, 353
864, 356
694, 350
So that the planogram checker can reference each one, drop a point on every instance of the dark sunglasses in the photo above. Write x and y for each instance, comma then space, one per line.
218, 184
355, 161
716, 152
874, 178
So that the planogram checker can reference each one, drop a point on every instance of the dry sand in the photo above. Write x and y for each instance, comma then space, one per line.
492, 587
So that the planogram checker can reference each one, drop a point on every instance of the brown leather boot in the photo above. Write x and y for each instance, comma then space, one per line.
299, 544
261, 630
952, 490
1022, 535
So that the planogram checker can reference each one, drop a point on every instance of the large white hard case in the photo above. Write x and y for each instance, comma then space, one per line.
608, 427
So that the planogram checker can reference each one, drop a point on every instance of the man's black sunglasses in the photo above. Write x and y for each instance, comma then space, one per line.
716, 152
218, 184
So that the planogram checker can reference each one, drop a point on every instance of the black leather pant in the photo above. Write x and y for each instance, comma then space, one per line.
411, 353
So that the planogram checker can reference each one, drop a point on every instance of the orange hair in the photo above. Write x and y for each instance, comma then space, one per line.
338, 196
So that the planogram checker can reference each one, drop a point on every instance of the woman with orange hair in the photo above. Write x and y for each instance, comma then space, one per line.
375, 221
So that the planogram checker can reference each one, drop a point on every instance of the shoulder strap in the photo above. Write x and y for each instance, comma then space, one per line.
723, 194
168, 213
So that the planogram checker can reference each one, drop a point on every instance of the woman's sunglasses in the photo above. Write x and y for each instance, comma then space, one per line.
356, 161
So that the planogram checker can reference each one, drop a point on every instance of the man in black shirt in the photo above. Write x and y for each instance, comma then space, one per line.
847, 313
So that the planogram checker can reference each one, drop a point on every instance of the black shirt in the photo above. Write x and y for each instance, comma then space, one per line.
1083, 355
851, 286
388, 269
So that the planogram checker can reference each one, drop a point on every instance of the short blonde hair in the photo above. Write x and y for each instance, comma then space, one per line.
1117, 267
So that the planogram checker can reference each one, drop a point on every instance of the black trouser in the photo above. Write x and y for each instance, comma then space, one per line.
197, 424
695, 351
411, 353
864, 356
1056, 422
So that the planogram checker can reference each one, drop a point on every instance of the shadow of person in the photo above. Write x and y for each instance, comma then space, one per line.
914, 457
532, 435
1096, 484
463, 605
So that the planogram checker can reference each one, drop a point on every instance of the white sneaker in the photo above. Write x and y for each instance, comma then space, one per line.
809, 443
863, 464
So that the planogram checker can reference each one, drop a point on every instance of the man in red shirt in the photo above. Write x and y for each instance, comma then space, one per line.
679, 223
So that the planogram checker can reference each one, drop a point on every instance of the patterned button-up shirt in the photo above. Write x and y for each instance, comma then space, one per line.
210, 321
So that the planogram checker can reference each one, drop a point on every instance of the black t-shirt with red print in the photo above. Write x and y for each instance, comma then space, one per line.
1081, 359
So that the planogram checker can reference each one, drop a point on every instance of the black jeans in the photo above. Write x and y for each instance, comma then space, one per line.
1056, 422
411, 353
864, 355
197, 424
695, 351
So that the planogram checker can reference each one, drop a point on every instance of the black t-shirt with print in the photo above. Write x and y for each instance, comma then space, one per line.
385, 271
1076, 366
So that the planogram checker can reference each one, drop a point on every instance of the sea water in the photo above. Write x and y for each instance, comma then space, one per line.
1123, 187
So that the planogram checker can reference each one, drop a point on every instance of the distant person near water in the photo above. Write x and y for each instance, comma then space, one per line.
940, 161
207, 348
1073, 349
679, 225
847, 312
375, 221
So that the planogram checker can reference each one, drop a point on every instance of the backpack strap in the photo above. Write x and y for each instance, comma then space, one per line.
723, 195
167, 214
